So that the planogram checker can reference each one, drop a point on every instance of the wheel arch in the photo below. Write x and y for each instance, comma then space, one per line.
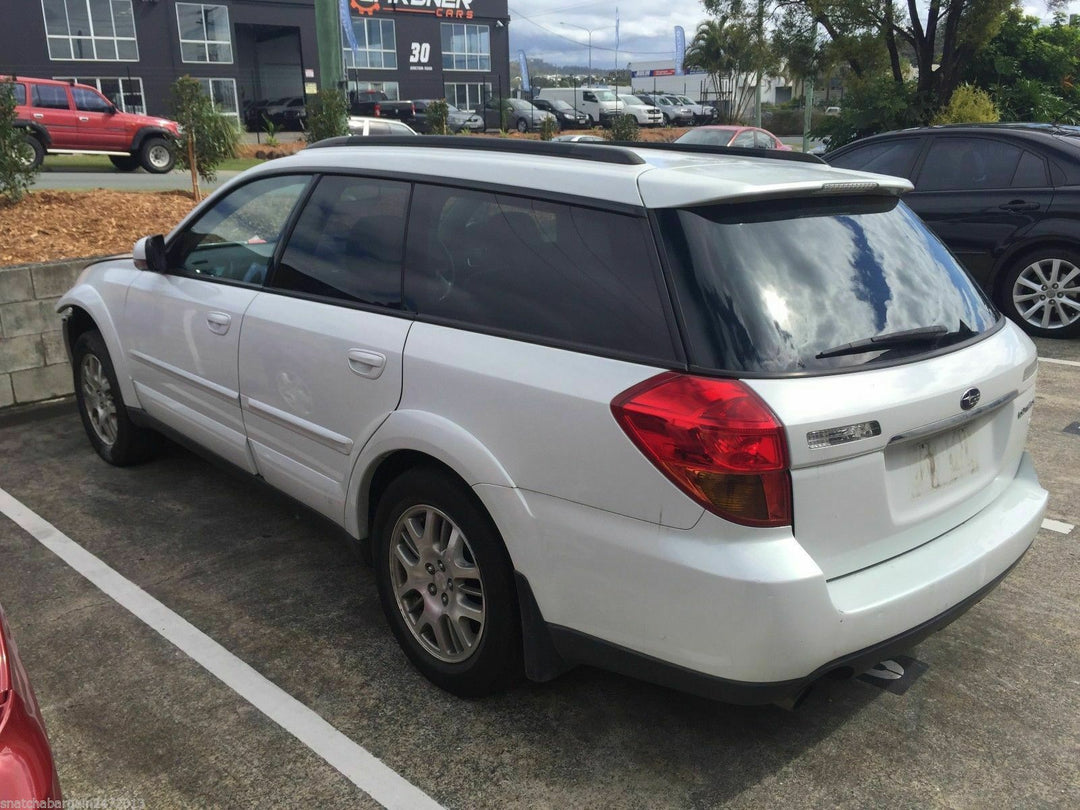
1009, 258
150, 132
410, 438
36, 129
82, 310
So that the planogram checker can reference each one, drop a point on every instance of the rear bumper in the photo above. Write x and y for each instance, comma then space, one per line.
745, 620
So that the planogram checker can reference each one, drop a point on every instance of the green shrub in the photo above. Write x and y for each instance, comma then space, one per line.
16, 158
790, 122
549, 128
271, 132
216, 137
438, 113
623, 128
968, 105
327, 115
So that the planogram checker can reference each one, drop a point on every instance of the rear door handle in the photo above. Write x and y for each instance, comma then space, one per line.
84, 118
1019, 205
218, 322
366, 364
39, 115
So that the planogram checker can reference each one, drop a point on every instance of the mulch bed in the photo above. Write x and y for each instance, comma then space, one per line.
53, 225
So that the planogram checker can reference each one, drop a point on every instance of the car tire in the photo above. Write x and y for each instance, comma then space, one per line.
111, 432
591, 122
667, 120
124, 163
451, 604
34, 151
522, 125
1041, 292
157, 155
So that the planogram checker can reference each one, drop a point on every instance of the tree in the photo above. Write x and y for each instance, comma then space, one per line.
18, 157
207, 138
728, 50
942, 37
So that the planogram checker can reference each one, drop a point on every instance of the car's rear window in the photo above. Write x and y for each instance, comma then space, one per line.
766, 287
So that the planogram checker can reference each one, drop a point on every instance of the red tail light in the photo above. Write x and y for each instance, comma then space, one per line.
378, 110
716, 440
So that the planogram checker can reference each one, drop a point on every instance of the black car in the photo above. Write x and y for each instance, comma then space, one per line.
1005, 198
567, 116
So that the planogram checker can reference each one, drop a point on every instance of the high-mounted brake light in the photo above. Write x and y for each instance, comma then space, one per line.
716, 440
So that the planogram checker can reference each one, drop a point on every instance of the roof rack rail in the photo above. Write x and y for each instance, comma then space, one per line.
729, 151
599, 153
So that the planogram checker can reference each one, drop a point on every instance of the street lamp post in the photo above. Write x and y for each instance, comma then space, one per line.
589, 31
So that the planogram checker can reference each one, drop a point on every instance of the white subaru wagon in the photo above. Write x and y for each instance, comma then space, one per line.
719, 420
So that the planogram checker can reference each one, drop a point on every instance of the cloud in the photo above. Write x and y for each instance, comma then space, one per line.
646, 29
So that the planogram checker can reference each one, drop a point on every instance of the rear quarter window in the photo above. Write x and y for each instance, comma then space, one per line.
896, 158
19, 91
537, 269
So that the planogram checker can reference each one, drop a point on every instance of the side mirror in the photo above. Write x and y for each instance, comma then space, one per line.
149, 254
112, 110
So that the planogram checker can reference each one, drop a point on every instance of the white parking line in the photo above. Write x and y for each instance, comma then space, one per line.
1059, 362
353, 761
1057, 526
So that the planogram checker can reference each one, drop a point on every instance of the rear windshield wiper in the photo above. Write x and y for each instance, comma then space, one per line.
893, 340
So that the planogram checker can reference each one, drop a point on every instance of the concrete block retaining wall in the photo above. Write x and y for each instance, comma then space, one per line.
33, 363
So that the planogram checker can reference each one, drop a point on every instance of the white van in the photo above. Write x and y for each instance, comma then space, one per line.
599, 103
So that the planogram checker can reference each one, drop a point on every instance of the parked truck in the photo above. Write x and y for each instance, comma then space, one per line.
375, 103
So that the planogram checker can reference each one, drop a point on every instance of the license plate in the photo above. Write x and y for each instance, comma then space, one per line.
942, 460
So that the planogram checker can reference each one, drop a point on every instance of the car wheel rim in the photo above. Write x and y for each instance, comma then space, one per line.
26, 154
159, 157
98, 399
437, 584
1046, 294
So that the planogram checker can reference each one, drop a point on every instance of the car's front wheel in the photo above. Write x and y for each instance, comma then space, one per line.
522, 125
157, 156
110, 430
446, 584
1041, 292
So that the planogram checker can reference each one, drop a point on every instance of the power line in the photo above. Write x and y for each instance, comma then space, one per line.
555, 33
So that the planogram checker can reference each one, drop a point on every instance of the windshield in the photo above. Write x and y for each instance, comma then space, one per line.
604, 95
561, 105
683, 100
708, 137
631, 101
766, 287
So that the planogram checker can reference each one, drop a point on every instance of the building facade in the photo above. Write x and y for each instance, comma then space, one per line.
248, 50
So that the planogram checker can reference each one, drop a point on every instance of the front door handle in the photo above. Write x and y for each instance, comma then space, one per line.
366, 364
218, 322
1019, 205
84, 118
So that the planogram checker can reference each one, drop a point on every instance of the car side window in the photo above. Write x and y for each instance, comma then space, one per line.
1030, 172
537, 269
889, 157
348, 242
20, 94
968, 164
236, 237
763, 141
51, 97
744, 139
89, 101
377, 128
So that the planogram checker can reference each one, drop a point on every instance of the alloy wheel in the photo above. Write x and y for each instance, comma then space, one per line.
1046, 294
98, 399
437, 584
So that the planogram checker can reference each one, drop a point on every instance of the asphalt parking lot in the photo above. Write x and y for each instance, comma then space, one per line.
993, 721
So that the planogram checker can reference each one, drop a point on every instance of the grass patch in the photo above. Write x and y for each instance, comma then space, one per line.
101, 163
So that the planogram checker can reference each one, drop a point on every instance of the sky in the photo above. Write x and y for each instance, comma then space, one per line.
646, 29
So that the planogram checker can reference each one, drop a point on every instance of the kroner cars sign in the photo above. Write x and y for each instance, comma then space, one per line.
451, 9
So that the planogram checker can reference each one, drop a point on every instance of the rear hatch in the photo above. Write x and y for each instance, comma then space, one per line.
902, 392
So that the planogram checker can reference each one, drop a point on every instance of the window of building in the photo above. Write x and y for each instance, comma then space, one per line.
223, 92
90, 30
542, 270
467, 96
349, 242
376, 46
204, 33
392, 89
466, 47
126, 93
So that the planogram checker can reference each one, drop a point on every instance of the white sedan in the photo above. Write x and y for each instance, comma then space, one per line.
365, 126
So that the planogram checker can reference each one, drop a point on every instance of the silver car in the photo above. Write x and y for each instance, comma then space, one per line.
675, 113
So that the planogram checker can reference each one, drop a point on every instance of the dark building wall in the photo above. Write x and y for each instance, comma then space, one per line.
263, 57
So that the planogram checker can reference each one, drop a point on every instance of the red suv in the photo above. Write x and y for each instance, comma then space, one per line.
68, 118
